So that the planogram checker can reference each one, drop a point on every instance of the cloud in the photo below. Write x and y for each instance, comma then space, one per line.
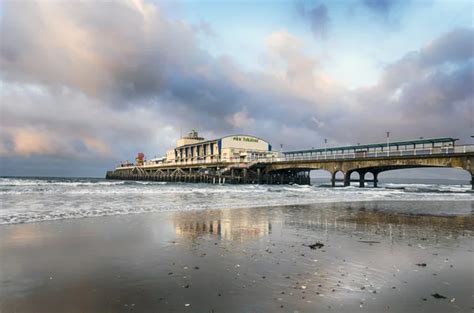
205, 28
242, 120
318, 18
453, 47
127, 53
425, 93
94, 88
27, 142
387, 12
380, 6
289, 50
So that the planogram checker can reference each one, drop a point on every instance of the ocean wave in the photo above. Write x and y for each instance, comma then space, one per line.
30, 200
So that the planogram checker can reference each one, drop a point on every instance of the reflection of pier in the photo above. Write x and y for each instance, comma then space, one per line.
225, 227
365, 219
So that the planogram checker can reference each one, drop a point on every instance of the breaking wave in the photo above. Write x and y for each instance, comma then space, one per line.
40, 199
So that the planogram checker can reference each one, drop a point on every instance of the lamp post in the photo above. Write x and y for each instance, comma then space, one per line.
325, 148
388, 143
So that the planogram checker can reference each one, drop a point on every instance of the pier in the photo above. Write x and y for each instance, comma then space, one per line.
294, 167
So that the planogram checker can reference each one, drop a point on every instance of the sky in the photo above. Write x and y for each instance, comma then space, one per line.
85, 85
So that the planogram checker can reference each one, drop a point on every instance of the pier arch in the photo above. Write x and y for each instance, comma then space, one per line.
337, 176
320, 176
427, 173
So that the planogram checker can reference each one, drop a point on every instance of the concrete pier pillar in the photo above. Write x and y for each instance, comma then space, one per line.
361, 179
376, 181
347, 179
259, 176
333, 179
472, 181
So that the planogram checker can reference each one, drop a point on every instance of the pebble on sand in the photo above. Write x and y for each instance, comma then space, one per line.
438, 296
316, 245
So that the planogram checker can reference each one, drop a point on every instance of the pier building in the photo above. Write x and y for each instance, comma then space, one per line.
193, 149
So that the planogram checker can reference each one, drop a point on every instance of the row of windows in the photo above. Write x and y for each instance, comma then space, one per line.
194, 151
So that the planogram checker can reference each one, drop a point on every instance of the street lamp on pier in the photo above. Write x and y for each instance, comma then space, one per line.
325, 148
388, 143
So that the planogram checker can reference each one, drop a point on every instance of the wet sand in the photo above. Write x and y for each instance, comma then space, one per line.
366, 259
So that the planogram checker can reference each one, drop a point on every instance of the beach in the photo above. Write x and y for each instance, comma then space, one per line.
328, 257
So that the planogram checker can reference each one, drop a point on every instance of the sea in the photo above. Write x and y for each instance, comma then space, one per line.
35, 199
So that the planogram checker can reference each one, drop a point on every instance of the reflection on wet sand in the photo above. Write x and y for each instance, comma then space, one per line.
368, 256
362, 218
224, 225
251, 260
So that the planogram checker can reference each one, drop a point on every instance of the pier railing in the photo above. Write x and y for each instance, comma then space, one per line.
308, 156
362, 155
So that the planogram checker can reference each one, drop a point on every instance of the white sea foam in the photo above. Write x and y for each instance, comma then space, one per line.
29, 200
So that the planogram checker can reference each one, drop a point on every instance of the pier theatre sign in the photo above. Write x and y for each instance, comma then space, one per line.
242, 138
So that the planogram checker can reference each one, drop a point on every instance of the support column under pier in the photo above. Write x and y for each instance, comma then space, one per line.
244, 176
361, 179
347, 179
376, 180
472, 181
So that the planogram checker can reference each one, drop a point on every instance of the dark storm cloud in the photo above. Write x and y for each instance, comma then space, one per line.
85, 85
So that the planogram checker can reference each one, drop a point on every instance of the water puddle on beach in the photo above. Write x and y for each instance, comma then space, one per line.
359, 257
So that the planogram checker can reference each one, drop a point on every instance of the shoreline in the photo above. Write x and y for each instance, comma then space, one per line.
372, 204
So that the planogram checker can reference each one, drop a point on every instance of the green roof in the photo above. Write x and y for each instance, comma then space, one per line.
378, 145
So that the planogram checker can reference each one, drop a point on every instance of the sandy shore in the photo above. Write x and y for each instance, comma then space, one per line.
241, 260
